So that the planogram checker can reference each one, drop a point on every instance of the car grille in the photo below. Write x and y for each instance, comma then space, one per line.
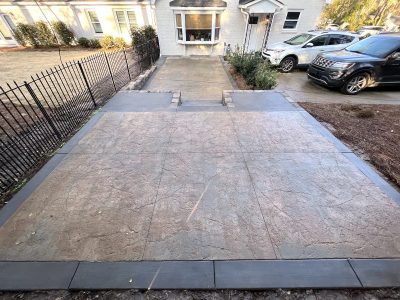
322, 62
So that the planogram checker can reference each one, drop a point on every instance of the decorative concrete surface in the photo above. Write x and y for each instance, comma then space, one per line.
198, 78
203, 185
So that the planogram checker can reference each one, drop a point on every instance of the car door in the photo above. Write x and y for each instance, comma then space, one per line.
339, 41
391, 71
308, 53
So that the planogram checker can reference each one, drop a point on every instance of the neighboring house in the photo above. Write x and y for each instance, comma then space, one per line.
206, 27
185, 27
87, 18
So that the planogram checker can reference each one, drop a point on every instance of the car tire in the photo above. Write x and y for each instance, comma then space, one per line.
288, 64
355, 84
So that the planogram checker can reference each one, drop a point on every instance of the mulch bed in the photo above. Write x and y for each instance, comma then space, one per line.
372, 131
240, 81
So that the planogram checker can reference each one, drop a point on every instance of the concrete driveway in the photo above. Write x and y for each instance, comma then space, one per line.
198, 78
256, 180
298, 87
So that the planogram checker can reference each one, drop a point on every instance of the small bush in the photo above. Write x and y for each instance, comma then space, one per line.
44, 34
245, 64
364, 114
119, 42
65, 34
149, 32
28, 34
94, 43
107, 42
84, 42
19, 37
265, 77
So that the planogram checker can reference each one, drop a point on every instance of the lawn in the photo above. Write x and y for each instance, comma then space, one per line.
372, 131
19, 64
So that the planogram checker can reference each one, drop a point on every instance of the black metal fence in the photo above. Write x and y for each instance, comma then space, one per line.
39, 114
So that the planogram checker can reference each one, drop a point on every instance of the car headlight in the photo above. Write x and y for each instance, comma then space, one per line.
342, 65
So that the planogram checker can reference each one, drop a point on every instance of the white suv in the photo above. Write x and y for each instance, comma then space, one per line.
302, 49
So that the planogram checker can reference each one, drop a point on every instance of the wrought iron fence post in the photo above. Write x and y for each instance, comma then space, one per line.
150, 52
41, 108
127, 65
87, 83
109, 68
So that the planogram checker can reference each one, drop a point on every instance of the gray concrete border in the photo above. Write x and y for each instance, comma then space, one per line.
201, 275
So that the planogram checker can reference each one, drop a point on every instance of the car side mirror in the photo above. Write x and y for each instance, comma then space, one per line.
309, 45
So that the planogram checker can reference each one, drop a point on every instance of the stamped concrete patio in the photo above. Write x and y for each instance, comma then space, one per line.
146, 180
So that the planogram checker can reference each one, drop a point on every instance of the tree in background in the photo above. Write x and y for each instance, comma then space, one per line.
358, 13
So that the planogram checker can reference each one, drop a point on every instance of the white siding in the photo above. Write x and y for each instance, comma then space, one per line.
76, 18
309, 18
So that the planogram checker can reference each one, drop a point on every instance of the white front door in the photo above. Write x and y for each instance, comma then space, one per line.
6, 37
256, 32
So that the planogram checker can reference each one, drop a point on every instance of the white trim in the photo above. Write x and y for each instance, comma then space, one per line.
128, 24
256, 1
198, 43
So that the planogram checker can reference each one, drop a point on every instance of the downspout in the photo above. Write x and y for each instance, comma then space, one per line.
247, 16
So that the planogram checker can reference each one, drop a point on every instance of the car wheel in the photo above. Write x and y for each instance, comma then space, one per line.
288, 64
355, 84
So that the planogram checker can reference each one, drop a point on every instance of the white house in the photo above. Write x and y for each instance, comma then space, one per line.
205, 27
87, 18
185, 27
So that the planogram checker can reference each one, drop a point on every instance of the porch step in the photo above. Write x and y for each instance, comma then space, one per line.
202, 103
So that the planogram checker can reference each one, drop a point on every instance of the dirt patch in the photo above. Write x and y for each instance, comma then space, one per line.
240, 81
373, 131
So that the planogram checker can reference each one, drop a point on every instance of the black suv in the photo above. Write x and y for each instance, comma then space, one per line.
370, 62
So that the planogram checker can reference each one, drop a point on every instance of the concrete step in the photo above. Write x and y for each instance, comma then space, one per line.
202, 103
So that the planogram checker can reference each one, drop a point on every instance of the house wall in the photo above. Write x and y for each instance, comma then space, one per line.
309, 18
232, 31
233, 26
75, 15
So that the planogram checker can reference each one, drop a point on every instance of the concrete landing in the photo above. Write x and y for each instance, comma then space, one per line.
258, 179
197, 78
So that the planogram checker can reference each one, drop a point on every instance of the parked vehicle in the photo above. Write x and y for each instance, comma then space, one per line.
371, 62
302, 49
367, 31
332, 27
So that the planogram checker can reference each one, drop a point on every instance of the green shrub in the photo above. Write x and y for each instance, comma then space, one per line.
28, 34
107, 42
19, 37
149, 32
119, 42
65, 34
265, 77
245, 64
94, 43
44, 34
84, 42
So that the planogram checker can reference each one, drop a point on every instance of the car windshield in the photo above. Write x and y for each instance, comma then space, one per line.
375, 46
299, 39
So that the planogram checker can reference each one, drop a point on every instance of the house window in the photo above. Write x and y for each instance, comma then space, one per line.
5, 32
198, 28
292, 18
94, 20
126, 19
